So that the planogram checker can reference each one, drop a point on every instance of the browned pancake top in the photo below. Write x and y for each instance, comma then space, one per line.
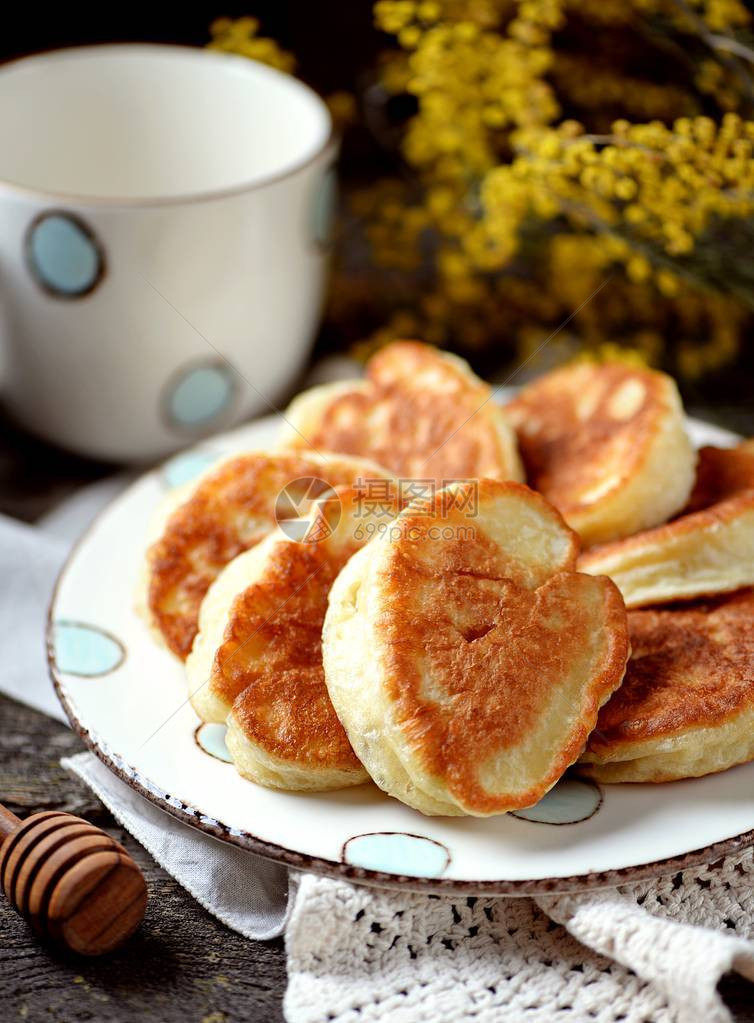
721, 473
583, 425
692, 666
473, 649
230, 511
417, 417
270, 663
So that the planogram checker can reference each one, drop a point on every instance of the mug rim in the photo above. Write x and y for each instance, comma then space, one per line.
172, 50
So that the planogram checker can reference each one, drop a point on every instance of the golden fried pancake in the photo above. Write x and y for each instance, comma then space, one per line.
257, 659
466, 657
686, 707
228, 510
421, 413
707, 552
606, 445
721, 473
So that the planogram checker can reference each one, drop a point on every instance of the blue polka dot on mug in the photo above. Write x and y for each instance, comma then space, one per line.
200, 395
64, 255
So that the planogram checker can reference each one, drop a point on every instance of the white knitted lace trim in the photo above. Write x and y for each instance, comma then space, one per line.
650, 952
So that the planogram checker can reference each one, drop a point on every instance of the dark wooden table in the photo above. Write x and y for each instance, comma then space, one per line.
182, 965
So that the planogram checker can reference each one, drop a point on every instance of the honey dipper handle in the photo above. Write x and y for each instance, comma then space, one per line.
8, 823
74, 884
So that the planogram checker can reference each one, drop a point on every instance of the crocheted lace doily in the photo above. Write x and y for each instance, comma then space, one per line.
650, 952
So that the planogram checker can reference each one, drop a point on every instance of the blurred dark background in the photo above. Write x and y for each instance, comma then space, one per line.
334, 40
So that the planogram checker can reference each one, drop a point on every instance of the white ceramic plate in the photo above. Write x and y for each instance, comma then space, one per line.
127, 698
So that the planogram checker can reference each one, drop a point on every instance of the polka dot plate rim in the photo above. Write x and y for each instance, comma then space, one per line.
136, 719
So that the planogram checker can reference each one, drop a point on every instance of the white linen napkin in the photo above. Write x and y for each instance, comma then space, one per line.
246, 892
29, 563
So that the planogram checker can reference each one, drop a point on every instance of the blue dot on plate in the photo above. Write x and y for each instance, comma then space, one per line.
323, 210
85, 650
568, 802
187, 466
394, 852
211, 739
63, 255
200, 394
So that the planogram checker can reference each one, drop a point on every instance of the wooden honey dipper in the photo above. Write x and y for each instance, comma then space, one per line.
74, 884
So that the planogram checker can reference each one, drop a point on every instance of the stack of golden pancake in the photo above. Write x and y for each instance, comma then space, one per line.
432, 623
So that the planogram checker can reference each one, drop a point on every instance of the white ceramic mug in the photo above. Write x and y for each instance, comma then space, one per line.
164, 218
